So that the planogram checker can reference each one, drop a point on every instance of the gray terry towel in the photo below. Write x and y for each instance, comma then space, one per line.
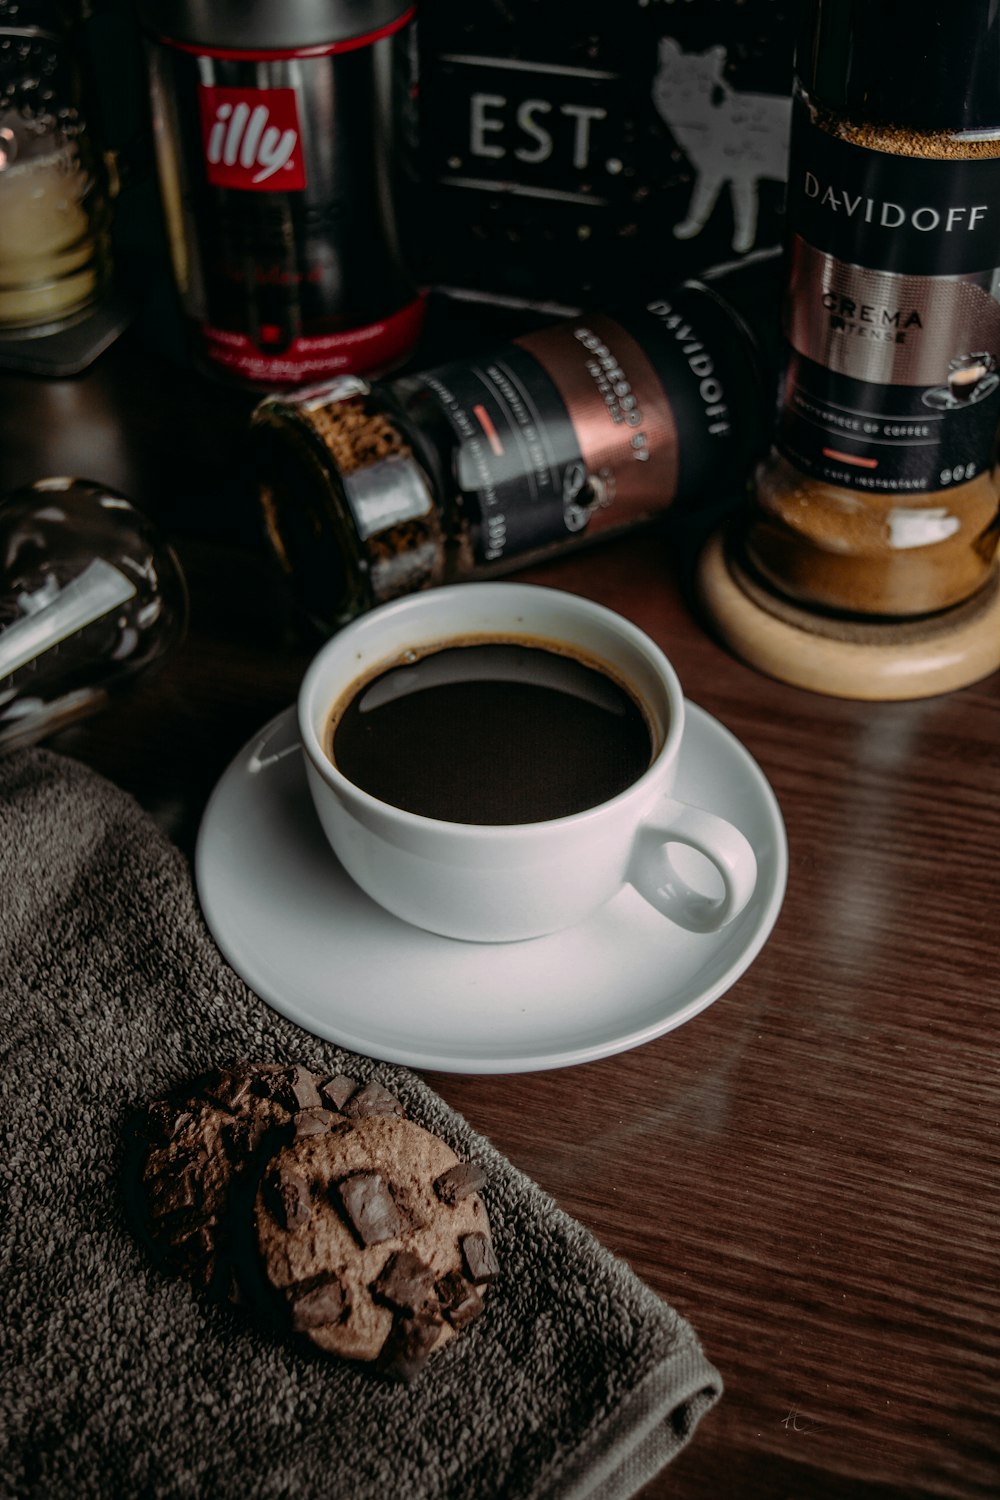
119, 1381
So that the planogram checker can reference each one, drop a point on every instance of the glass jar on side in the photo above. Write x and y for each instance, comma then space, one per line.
553, 441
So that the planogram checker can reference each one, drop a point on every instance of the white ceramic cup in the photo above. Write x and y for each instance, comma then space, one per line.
498, 883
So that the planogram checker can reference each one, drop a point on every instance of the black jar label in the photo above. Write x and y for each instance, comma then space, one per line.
572, 430
892, 323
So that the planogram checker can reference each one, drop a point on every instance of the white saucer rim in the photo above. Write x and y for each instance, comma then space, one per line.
518, 1062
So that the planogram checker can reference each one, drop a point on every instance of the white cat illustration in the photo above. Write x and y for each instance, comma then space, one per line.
728, 137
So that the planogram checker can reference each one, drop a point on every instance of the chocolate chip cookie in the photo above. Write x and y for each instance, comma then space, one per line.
205, 1141
274, 1185
375, 1239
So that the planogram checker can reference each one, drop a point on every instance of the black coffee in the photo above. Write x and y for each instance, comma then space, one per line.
491, 732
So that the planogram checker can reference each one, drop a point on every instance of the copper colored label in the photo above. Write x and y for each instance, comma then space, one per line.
892, 381
884, 327
621, 417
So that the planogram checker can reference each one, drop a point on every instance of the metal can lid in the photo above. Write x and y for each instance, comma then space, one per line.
261, 26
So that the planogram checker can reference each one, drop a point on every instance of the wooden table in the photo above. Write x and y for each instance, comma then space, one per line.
808, 1169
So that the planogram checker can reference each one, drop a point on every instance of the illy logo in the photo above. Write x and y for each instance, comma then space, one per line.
251, 138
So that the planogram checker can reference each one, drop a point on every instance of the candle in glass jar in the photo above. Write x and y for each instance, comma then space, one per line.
47, 252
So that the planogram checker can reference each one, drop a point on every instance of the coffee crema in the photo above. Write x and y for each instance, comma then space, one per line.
486, 732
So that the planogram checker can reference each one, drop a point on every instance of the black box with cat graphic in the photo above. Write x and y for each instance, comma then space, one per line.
573, 152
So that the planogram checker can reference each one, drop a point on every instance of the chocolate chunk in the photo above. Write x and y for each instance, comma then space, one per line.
243, 1137
406, 1281
191, 1248
317, 1303
373, 1099
335, 1092
460, 1302
370, 1208
229, 1088
409, 1346
192, 1242
460, 1181
172, 1195
312, 1122
289, 1197
193, 1252
165, 1166
266, 1079
480, 1260
234, 1293
297, 1088
163, 1121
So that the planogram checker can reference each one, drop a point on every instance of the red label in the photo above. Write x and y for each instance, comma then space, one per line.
251, 139
365, 350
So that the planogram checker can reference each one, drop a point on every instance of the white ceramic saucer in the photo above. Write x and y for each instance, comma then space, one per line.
296, 928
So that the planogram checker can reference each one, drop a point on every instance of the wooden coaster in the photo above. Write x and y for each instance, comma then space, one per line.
844, 658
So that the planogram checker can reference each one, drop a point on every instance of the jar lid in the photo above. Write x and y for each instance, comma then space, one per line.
261, 26
896, 63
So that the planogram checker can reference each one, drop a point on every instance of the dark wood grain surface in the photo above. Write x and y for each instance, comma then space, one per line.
808, 1169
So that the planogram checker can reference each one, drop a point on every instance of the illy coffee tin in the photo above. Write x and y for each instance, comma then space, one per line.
283, 138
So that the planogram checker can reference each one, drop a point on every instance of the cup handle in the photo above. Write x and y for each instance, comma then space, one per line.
654, 877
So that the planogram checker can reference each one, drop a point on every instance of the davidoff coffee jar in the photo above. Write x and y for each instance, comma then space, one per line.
557, 439
282, 136
880, 496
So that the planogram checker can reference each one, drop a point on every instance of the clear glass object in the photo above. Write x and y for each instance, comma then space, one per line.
55, 256
90, 595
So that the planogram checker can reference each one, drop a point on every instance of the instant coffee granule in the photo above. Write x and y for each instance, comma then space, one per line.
355, 436
833, 548
940, 145
395, 549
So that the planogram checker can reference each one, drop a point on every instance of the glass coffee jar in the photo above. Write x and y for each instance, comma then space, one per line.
880, 495
553, 441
